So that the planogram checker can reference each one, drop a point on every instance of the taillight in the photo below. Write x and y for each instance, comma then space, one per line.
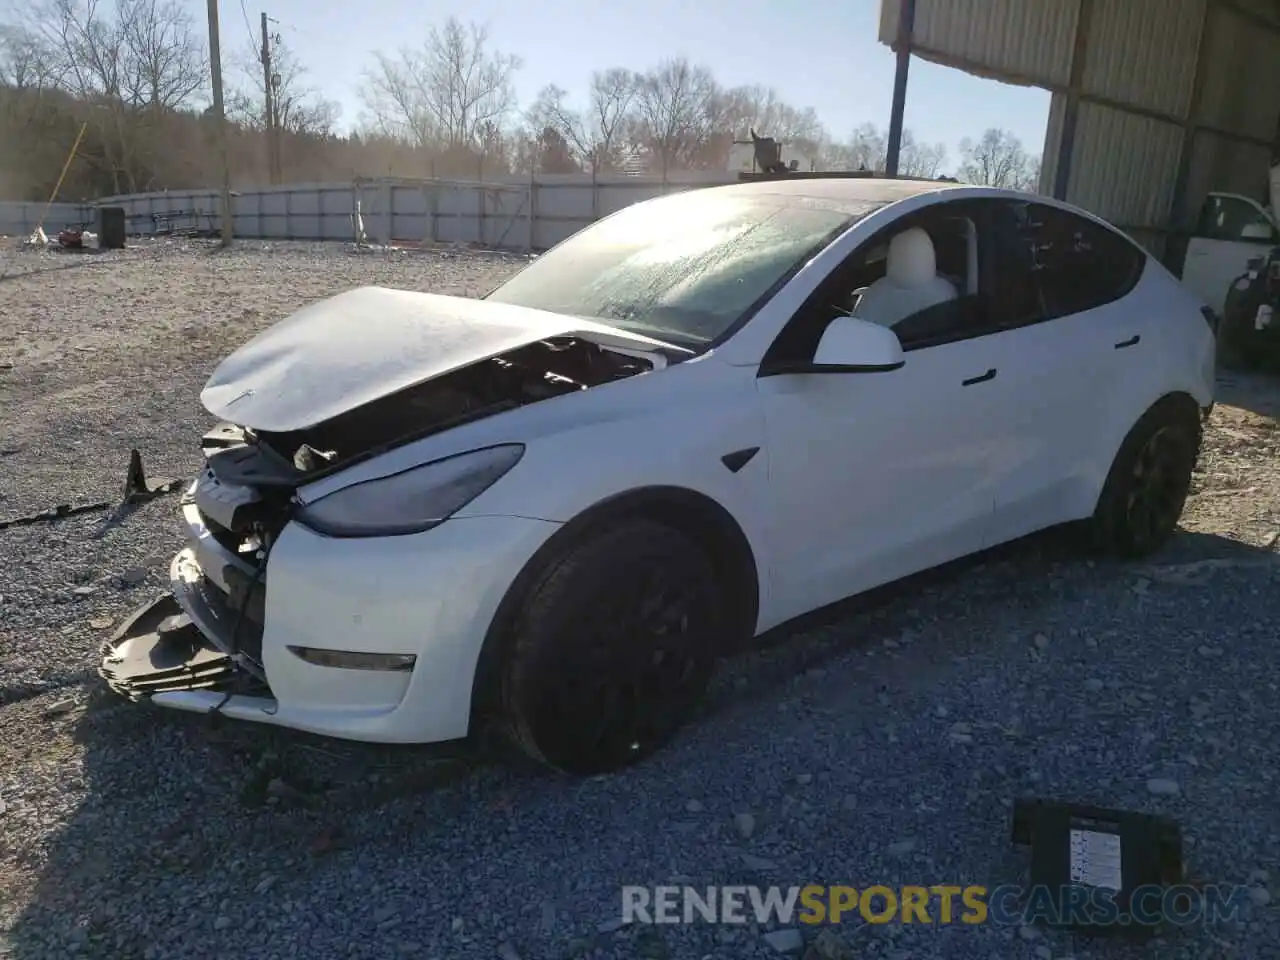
1210, 318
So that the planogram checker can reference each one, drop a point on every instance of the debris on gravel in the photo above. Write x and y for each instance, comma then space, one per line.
883, 744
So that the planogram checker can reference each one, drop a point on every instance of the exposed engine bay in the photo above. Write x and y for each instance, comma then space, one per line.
538, 371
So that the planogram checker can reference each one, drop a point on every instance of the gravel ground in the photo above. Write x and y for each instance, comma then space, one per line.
883, 743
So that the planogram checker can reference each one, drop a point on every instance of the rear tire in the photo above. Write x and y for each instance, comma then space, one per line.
1146, 489
613, 649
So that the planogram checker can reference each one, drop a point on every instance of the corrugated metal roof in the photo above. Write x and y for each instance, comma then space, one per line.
1143, 52
1140, 52
1266, 9
1226, 166
1027, 41
1242, 82
1123, 166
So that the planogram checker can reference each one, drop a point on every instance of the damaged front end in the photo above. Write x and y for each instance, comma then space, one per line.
207, 634
203, 644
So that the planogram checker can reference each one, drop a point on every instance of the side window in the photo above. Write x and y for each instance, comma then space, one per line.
1235, 220
1081, 265
1050, 263
928, 296
1010, 283
937, 306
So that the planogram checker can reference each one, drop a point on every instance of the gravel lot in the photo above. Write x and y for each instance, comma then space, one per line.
881, 744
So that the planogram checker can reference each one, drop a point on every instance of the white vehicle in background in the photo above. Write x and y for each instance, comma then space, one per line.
1232, 230
553, 508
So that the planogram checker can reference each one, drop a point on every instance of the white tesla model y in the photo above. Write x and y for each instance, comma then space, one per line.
550, 508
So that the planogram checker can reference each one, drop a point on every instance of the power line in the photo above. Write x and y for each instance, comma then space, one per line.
247, 28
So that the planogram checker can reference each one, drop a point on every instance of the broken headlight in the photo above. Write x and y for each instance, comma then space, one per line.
413, 500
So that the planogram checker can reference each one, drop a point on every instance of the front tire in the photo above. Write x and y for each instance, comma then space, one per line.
613, 649
1146, 490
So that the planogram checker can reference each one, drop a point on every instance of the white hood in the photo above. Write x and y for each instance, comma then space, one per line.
349, 350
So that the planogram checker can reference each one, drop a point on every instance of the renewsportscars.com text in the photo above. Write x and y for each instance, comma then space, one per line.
938, 904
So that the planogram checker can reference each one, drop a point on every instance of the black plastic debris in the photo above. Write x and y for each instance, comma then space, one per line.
157, 649
137, 489
1101, 871
54, 513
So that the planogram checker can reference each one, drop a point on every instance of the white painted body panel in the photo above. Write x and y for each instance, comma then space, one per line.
1211, 265
343, 352
431, 594
860, 479
875, 476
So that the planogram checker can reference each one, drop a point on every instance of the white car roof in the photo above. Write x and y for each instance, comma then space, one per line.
839, 190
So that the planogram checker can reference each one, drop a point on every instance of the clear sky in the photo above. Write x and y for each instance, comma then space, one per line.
819, 53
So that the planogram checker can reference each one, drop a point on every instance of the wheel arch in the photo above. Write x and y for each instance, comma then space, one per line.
689, 511
1182, 399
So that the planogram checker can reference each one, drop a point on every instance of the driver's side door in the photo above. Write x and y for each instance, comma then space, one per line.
875, 476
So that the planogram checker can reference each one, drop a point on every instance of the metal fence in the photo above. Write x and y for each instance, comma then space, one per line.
521, 213
21, 219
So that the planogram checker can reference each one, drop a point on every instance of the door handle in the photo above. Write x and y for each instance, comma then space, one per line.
989, 375
1132, 341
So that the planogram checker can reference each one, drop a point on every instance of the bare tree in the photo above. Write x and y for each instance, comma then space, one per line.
998, 159
32, 125
918, 159
595, 134
132, 62
676, 105
868, 149
554, 154
445, 93
164, 64
23, 65
299, 107
610, 112
758, 108
550, 111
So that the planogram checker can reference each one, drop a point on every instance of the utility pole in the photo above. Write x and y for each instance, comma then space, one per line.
220, 119
269, 123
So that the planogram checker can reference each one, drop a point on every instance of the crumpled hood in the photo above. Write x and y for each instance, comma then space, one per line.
349, 350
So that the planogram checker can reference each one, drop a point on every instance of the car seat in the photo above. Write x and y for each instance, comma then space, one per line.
911, 282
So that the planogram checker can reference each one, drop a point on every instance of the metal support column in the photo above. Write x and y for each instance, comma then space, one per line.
1178, 207
906, 31
1071, 110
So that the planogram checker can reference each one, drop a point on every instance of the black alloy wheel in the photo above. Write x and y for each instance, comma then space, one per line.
615, 649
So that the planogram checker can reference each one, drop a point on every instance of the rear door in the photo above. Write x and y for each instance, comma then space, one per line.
1231, 231
1059, 278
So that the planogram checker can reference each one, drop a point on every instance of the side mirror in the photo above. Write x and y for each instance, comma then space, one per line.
856, 346
1257, 231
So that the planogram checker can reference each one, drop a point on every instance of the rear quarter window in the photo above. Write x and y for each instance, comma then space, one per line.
1081, 264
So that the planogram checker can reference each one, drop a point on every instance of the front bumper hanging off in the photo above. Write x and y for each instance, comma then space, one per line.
159, 650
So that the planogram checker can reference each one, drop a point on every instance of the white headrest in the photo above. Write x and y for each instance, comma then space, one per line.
911, 261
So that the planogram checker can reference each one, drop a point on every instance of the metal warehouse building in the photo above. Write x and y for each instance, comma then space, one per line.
1155, 102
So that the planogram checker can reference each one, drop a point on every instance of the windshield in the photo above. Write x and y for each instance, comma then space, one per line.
684, 269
